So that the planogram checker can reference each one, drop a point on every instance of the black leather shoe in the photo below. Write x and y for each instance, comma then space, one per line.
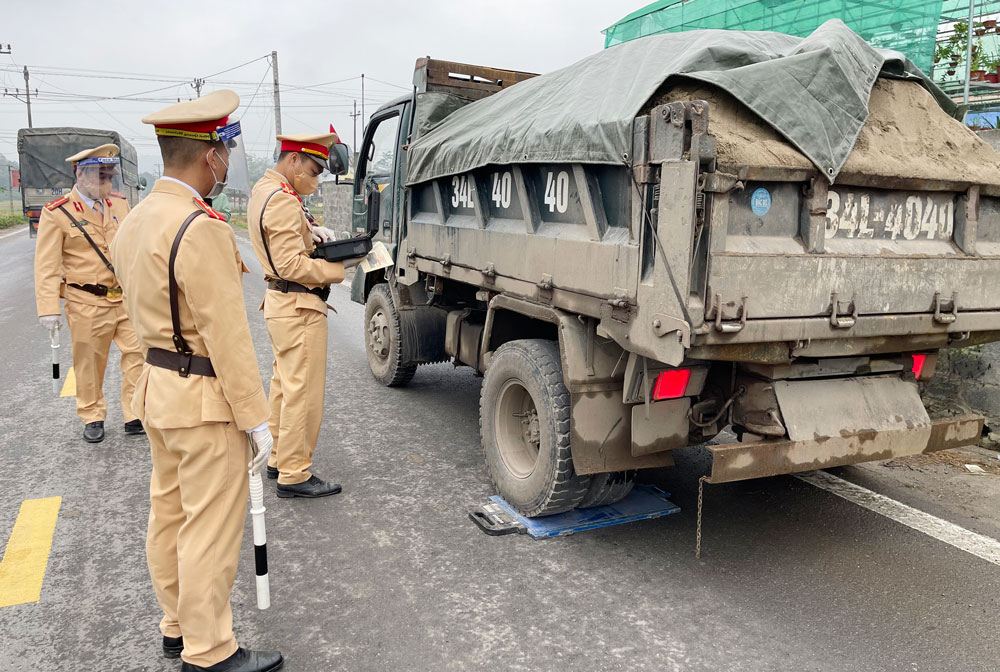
134, 427
244, 660
172, 646
314, 487
272, 472
94, 432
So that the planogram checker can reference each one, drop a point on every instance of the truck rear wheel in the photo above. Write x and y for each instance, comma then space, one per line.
383, 339
608, 488
524, 419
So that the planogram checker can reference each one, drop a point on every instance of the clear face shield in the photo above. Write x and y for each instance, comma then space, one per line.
237, 177
97, 177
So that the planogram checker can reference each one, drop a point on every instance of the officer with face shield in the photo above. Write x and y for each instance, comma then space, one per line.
200, 393
71, 261
284, 235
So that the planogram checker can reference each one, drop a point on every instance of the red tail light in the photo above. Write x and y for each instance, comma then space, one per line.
671, 384
918, 364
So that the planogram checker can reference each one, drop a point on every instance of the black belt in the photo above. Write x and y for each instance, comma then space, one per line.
285, 286
181, 363
100, 290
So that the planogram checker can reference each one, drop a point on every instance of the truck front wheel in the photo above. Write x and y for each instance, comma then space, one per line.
383, 339
524, 419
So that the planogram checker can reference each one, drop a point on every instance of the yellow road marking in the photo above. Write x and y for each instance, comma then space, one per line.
23, 566
69, 387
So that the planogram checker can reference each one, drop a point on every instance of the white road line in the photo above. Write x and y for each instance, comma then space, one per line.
14, 233
978, 545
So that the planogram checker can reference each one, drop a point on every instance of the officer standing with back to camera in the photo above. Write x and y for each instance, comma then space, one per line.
71, 260
200, 393
295, 310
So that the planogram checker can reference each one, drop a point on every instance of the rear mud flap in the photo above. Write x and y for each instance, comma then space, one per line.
838, 422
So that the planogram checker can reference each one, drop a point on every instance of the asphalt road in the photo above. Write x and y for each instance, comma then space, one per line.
391, 575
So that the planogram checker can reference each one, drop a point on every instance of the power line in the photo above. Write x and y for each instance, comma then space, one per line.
236, 67
259, 84
405, 88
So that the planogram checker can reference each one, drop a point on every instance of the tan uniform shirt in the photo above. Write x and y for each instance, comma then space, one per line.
62, 253
212, 313
290, 244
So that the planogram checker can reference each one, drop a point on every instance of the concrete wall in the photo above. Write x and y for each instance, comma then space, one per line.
970, 378
337, 200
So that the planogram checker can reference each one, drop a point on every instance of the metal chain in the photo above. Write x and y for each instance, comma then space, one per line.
697, 534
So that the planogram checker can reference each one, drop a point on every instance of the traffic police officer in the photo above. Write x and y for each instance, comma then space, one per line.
283, 235
200, 392
71, 260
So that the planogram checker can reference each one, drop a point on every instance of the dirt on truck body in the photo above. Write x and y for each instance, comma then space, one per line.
789, 271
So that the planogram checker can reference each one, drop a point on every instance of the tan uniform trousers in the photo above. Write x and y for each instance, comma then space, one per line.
92, 329
298, 387
198, 495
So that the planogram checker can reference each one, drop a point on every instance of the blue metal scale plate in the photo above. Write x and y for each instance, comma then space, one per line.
643, 503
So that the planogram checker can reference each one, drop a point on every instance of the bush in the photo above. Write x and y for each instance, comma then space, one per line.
7, 221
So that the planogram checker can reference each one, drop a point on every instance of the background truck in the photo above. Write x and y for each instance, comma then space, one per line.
45, 175
709, 275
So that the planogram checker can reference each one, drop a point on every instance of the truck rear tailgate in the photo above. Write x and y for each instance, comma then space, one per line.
803, 250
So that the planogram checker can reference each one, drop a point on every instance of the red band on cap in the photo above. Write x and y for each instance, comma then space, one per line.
197, 126
308, 147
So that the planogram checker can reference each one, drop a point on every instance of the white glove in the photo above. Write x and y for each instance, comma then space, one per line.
261, 443
50, 322
321, 234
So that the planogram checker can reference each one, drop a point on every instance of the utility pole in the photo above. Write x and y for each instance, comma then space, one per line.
27, 94
354, 115
197, 84
277, 102
363, 117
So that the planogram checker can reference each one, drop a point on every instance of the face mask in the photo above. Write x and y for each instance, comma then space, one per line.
304, 183
219, 184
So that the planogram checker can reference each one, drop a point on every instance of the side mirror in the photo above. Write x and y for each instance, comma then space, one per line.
340, 159
142, 183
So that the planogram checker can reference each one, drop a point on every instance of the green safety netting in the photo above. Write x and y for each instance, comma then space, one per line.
908, 26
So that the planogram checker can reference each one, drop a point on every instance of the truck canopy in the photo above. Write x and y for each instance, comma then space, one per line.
813, 91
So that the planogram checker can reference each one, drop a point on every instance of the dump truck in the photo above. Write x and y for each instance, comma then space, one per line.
679, 235
45, 175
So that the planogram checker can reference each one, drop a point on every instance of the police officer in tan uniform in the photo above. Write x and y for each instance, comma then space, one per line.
200, 393
71, 260
295, 310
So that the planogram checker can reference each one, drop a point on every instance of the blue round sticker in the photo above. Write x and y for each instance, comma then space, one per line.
760, 201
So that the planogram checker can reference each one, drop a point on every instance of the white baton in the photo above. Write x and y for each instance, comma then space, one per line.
54, 338
259, 541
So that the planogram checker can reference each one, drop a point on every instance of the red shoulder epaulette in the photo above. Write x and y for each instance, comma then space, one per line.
56, 203
288, 190
208, 209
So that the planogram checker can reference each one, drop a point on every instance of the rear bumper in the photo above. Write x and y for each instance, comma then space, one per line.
742, 461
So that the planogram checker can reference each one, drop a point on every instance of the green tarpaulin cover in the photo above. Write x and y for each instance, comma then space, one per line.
814, 91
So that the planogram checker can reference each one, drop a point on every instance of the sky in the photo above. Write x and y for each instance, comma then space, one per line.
148, 55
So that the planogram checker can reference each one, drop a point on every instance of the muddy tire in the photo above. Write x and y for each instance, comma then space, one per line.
524, 421
383, 339
608, 489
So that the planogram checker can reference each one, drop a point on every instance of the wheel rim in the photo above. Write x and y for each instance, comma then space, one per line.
379, 336
518, 431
